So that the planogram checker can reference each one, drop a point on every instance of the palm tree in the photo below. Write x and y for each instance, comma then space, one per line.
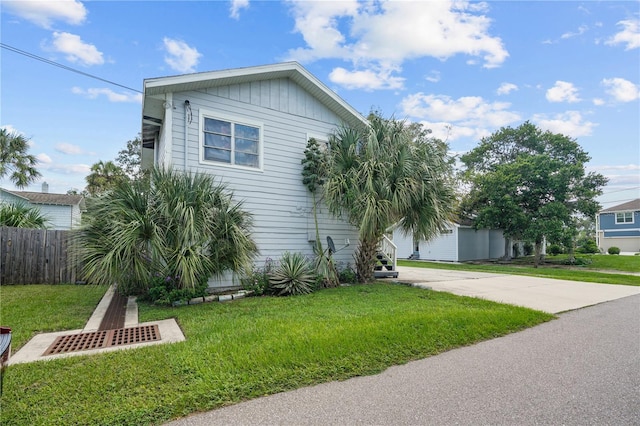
20, 215
14, 159
388, 174
104, 176
182, 226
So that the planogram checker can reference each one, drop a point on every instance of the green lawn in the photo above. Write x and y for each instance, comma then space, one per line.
604, 262
32, 309
519, 267
253, 347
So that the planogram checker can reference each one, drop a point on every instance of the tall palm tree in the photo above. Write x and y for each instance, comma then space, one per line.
104, 176
14, 159
182, 226
388, 174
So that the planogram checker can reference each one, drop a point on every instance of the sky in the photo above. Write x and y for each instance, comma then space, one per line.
464, 69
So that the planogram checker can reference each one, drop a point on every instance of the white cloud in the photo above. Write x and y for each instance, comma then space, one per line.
180, 56
506, 88
366, 79
629, 35
10, 129
465, 116
563, 92
632, 167
434, 76
570, 123
581, 30
237, 6
385, 34
622, 90
43, 160
77, 50
93, 93
70, 149
598, 101
43, 13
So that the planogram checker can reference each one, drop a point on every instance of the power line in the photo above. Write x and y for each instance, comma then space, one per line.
64, 67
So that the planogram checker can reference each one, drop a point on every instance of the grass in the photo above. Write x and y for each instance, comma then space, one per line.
32, 309
518, 267
253, 347
603, 262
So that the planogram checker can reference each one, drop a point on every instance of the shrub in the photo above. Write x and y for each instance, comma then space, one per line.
166, 291
554, 250
528, 249
347, 275
293, 276
613, 250
257, 280
588, 246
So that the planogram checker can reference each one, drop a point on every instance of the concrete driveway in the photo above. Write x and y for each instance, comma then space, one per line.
543, 294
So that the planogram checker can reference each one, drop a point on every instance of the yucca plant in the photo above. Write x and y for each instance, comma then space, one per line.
293, 276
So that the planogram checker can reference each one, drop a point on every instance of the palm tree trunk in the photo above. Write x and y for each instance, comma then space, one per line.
365, 258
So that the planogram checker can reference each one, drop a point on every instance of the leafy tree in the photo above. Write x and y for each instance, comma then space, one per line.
181, 226
104, 177
530, 183
14, 160
129, 159
387, 174
20, 215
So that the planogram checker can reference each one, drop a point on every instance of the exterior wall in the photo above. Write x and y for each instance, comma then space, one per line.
472, 244
404, 244
496, 244
281, 205
626, 244
5, 197
443, 247
59, 217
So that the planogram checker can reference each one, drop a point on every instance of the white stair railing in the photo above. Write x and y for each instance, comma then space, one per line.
389, 251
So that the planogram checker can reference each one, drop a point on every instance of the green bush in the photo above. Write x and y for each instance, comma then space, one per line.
257, 280
588, 247
166, 291
613, 250
347, 275
554, 250
528, 249
293, 276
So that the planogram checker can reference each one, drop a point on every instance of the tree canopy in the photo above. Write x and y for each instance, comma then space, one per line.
385, 174
530, 183
15, 160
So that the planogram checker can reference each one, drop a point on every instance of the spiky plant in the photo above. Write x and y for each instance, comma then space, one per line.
19, 215
293, 276
182, 226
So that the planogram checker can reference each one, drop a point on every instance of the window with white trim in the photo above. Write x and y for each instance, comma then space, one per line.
229, 142
624, 217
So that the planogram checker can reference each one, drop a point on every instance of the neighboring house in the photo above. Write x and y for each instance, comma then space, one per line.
249, 127
457, 243
61, 210
619, 226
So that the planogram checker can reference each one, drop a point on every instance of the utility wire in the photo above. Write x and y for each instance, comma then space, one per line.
64, 67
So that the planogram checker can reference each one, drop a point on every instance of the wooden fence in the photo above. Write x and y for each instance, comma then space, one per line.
36, 256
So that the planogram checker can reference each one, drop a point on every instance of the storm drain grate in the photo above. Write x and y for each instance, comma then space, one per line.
104, 339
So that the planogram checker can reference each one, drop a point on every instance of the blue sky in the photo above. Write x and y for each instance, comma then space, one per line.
465, 69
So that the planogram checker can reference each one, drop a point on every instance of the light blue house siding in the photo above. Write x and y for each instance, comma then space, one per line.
612, 229
286, 116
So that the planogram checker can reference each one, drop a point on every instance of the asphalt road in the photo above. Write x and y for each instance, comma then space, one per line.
580, 369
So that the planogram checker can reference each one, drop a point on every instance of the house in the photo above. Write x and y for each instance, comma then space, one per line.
619, 226
457, 243
62, 211
249, 128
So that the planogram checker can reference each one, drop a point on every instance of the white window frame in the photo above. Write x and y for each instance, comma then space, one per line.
624, 221
215, 115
